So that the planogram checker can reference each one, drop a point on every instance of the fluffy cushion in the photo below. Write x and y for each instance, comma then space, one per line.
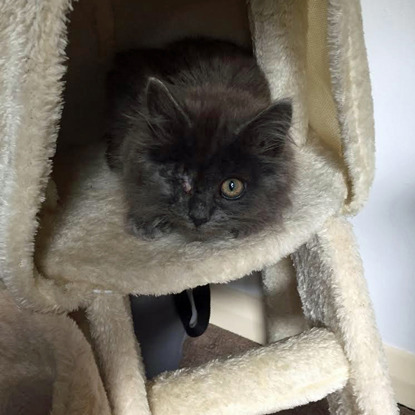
83, 239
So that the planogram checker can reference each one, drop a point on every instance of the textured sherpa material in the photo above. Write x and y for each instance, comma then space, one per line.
32, 42
334, 294
119, 354
286, 76
283, 309
352, 94
46, 365
87, 252
268, 379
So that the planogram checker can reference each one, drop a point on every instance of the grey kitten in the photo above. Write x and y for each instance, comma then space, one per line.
200, 147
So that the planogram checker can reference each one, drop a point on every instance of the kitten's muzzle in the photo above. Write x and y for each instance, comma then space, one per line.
199, 211
199, 221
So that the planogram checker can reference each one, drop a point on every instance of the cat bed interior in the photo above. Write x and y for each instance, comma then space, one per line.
62, 238
80, 240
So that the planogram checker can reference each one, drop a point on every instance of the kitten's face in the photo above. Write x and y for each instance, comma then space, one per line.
208, 176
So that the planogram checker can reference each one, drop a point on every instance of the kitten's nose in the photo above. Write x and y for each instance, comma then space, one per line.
199, 221
198, 211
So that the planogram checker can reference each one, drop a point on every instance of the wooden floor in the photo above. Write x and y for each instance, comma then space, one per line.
216, 342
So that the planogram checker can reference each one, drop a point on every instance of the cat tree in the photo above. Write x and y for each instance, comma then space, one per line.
63, 246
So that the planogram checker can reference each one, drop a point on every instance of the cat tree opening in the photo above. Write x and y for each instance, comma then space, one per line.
82, 238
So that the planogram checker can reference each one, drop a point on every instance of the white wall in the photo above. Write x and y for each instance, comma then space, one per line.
385, 229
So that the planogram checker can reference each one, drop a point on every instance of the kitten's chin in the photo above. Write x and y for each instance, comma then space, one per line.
206, 233
158, 227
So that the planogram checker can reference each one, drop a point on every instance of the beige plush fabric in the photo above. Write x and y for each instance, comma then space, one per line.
283, 309
267, 379
62, 243
119, 354
352, 93
46, 365
32, 42
88, 251
287, 76
334, 294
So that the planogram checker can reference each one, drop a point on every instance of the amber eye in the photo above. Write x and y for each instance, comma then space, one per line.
232, 189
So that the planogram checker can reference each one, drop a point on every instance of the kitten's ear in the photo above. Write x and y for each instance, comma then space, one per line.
267, 133
161, 104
